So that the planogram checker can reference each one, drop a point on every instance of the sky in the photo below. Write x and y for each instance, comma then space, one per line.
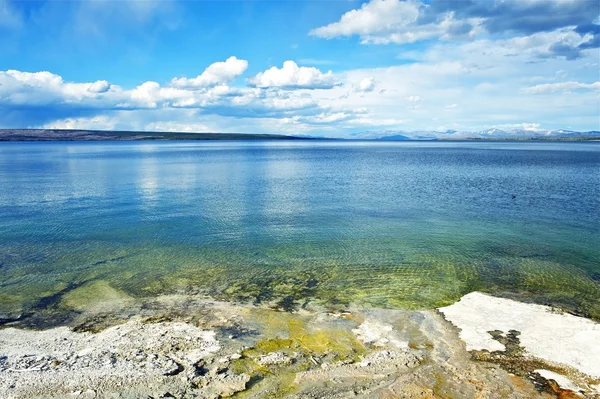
324, 68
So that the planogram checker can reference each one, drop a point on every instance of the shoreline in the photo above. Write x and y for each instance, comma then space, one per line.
199, 348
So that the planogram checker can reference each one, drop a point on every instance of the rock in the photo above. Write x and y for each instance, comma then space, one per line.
274, 358
89, 393
229, 384
562, 381
544, 333
378, 334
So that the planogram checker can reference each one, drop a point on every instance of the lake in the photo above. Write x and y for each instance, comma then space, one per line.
410, 225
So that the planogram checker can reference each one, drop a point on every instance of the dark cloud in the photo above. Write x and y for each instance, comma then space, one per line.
526, 17
561, 49
591, 28
24, 116
571, 52
592, 43
461, 28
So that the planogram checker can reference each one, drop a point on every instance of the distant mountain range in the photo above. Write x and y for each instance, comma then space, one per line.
489, 134
386, 135
97, 135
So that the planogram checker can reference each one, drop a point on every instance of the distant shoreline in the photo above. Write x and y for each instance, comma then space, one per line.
100, 135
23, 135
526, 139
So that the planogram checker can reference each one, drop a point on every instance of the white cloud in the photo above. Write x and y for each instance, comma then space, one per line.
101, 122
375, 16
35, 79
531, 127
170, 126
291, 76
99, 86
486, 79
371, 121
408, 21
328, 118
215, 74
23, 93
366, 85
395, 21
561, 87
145, 95
42, 88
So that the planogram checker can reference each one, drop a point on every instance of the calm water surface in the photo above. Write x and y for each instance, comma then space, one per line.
407, 225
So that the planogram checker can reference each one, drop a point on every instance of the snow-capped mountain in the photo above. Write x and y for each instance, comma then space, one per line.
492, 133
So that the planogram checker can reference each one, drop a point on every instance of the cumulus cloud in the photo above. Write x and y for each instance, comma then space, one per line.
43, 88
407, 21
291, 76
526, 17
215, 74
561, 87
101, 122
377, 121
393, 21
99, 86
328, 118
373, 17
484, 79
170, 126
366, 85
488, 78
45, 99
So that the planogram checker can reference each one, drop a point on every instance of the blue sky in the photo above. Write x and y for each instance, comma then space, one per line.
333, 68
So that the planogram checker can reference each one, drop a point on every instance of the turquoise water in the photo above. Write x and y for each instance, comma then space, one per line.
404, 225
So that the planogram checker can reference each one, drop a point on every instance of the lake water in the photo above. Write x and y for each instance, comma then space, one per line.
395, 224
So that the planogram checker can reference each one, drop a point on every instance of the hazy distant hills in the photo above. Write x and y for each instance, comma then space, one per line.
386, 135
95, 135
489, 134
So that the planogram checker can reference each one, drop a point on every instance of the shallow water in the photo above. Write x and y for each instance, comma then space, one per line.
401, 225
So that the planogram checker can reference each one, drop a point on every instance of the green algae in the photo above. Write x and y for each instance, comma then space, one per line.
10, 306
298, 336
95, 295
368, 273
298, 339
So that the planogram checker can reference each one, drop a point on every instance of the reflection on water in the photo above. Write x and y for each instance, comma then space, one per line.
411, 224
148, 181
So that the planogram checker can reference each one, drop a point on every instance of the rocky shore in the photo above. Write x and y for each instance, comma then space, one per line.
186, 347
